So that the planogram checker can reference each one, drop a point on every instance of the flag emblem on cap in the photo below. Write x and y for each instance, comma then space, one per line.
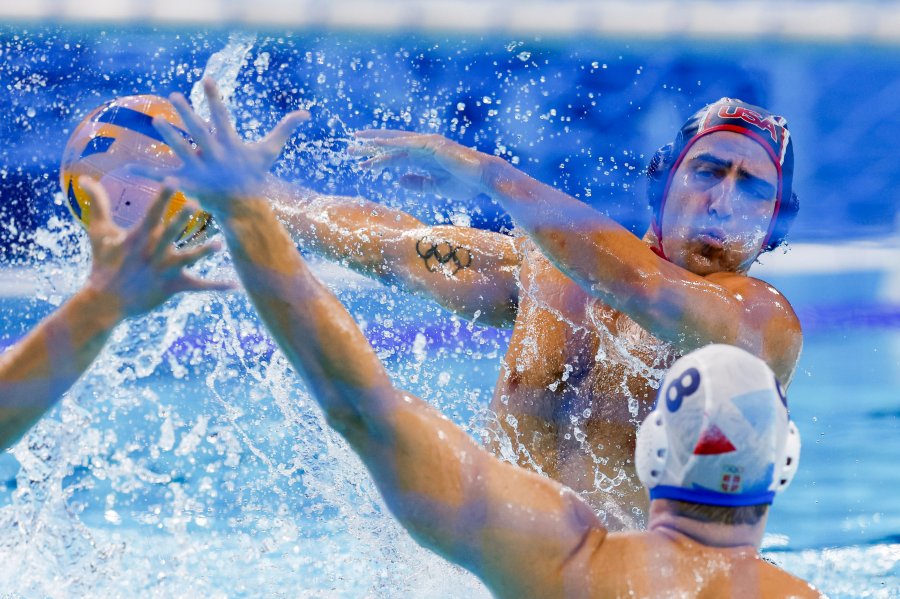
713, 442
731, 483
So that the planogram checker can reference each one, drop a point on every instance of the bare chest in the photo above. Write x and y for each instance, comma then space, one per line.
578, 355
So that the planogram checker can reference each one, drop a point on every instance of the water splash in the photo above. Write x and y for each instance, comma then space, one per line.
223, 67
190, 437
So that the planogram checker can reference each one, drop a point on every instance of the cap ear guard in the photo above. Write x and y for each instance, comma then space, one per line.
786, 215
790, 458
651, 451
657, 174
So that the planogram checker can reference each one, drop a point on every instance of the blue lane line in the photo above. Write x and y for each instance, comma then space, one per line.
379, 336
826, 318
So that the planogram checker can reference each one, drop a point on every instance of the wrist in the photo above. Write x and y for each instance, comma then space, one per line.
99, 303
239, 209
247, 218
496, 175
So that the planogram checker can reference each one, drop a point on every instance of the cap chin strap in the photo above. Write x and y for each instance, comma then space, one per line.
654, 226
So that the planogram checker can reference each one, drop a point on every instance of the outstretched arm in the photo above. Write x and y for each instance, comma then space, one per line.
516, 530
132, 272
606, 259
676, 305
468, 271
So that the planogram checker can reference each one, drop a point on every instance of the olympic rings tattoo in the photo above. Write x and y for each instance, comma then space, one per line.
454, 259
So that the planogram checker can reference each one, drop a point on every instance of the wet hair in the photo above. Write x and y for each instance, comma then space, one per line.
746, 514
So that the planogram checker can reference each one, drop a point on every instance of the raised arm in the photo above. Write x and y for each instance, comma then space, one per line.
132, 272
471, 272
514, 529
607, 260
521, 533
683, 308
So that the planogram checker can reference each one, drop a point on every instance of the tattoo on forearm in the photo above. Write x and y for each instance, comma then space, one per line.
443, 256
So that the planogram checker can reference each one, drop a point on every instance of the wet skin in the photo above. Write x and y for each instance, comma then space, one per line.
522, 534
132, 272
576, 380
574, 362
596, 316
719, 205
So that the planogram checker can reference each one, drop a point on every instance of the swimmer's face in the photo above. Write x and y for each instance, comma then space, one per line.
720, 204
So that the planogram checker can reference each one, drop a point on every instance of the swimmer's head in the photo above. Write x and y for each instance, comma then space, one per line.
721, 193
720, 433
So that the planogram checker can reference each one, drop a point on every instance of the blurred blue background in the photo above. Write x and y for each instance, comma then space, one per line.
581, 114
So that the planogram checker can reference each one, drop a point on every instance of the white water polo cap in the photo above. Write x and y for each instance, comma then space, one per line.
720, 432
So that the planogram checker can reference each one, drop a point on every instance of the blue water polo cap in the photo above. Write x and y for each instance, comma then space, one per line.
727, 114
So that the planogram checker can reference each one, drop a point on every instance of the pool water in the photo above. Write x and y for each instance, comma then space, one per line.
189, 460
191, 443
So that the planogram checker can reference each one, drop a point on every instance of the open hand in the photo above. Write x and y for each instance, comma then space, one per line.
440, 166
220, 167
140, 268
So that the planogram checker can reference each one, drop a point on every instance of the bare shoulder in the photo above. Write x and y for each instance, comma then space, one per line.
776, 582
755, 292
771, 327
628, 564
760, 300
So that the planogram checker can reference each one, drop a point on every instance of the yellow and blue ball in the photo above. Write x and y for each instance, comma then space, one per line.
109, 141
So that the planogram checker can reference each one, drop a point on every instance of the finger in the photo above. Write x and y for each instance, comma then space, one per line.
176, 141
193, 255
360, 150
187, 282
273, 143
418, 183
154, 214
383, 161
197, 127
221, 120
174, 229
100, 211
145, 171
383, 133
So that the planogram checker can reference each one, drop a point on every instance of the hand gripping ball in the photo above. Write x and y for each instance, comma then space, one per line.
109, 141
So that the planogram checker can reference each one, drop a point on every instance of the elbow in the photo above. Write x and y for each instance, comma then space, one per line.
340, 424
632, 290
344, 420
361, 413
